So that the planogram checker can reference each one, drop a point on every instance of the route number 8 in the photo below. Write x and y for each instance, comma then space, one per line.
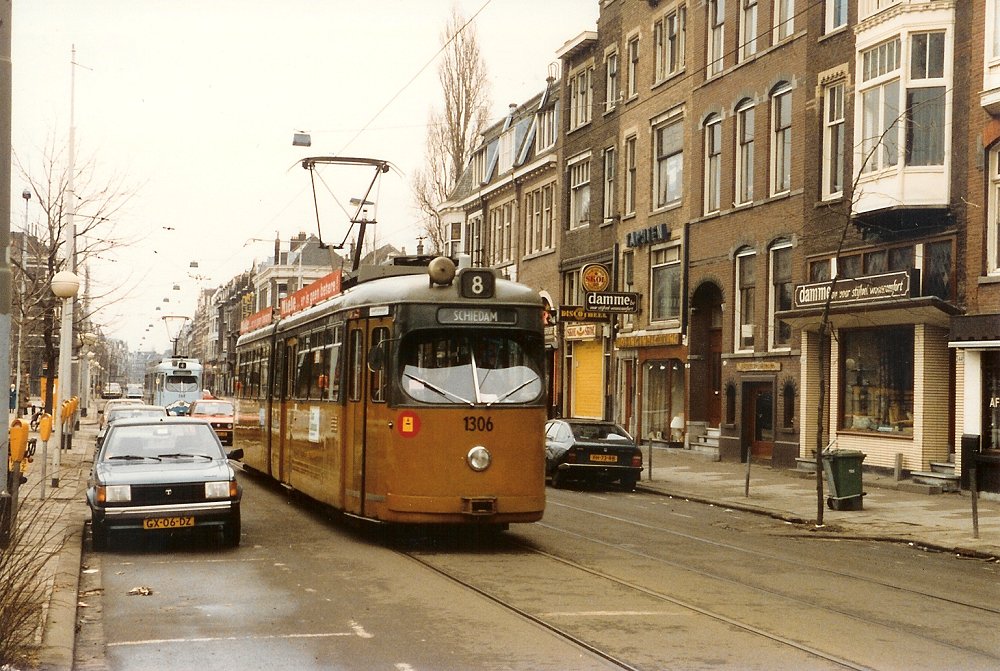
478, 284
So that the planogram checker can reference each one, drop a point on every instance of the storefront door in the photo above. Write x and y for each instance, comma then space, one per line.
758, 419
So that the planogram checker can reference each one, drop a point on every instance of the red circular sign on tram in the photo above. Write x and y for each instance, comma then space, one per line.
408, 424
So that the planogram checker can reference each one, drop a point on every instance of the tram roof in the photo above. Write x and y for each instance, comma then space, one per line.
412, 288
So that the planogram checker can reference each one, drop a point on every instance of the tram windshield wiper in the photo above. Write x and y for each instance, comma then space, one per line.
502, 397
443, 392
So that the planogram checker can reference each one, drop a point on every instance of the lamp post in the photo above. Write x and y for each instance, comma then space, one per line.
26, 194
64, 285
174, 324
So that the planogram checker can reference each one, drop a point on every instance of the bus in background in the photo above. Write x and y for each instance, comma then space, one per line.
173, 383
415, 396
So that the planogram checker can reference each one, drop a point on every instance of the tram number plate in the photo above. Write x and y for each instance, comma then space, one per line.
604, 458
167, 522
478, 423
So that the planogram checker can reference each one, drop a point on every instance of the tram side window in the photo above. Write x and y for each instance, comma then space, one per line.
304, 377
263, 360
357, 366
377, 378
334, 366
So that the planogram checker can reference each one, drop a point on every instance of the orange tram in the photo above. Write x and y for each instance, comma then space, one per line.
414, 394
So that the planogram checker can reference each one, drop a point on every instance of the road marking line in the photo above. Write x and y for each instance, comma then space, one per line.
214, 639
604, 613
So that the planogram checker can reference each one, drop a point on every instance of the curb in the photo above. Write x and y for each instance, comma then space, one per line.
59, 639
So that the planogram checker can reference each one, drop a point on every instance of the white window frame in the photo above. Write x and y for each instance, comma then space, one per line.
867, 8
745, 141
781, 140
630, 173
748, 29
664, 160
772, 307
937, 85
612, 87
581, 96
834, 134
784, 19
993, 214
505, 159
546, 128
879, 106
538, 218
632, 52
712, 200
669, 37
744, 336
716, 37
665, 257
836, 14
579, 192
610, 204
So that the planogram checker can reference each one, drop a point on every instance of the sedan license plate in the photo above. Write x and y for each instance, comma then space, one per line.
167, 522
604, 458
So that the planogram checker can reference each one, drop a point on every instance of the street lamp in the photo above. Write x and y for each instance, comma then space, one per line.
174, 324
64, 285
26, 194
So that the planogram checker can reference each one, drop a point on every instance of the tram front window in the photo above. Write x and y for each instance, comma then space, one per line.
181, 383
469, 368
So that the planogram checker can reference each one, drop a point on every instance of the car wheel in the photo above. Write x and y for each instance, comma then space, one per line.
558, 479
231, 532
98, 537
628, 483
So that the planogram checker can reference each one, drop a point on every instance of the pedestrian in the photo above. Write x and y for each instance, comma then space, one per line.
13, 398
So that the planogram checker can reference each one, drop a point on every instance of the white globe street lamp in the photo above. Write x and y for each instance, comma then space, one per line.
64, 285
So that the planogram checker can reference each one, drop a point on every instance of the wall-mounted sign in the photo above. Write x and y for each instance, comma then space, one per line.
595, 277
854, 290
647, 236
580, 331
650, 340
578, 313
758, 366
610, 301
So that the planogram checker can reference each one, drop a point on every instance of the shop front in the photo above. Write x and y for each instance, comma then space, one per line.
887, 367
661, 361
976, 341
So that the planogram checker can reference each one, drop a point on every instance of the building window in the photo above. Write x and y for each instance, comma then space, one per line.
571, 288
662, 398
745, 299
474, 241
581, 96
781, 140
781, 294
633, 66
479, 166
937, 270
870, 7
880, 107
713, 164
833, 140
716, 35
788, 404
610, 206
730, 403
836, 14
993, 214
579, 195
668, 36
505, 157
993, 30
748, 29
784, 19
876, 373
455, 238
547, 129
630, 175
502, 233
538, 219
612, 86
744, 164
668, 175
925, 105
665, 283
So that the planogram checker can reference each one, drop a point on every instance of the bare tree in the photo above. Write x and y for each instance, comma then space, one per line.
44, 253
452, 131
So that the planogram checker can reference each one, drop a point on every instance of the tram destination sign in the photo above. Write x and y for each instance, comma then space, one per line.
463, 315
612, 301
854, 290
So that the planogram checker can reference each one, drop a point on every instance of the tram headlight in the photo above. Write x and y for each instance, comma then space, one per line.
479, 458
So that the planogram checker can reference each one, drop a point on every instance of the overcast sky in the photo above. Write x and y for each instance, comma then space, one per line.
192, 105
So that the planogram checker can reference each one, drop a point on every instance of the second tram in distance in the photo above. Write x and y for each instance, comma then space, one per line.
173, 383
414, 397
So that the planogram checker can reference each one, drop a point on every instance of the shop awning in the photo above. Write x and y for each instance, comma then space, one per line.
975, 331
924, 310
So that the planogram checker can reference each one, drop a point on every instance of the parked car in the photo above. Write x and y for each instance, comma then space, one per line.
113, 403
113, 390
591, 450
219, 413
133, 390
125, 411
163, 474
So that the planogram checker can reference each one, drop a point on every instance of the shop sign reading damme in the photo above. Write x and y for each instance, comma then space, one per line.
854, 290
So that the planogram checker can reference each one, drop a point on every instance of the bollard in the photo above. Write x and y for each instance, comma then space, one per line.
44, 433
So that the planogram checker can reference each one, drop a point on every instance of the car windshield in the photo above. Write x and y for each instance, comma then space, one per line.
465, 368
125, 411
201, 408
599, 432
162, 440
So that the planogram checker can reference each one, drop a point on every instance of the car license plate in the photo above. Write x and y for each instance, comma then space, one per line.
604, 458
167, 522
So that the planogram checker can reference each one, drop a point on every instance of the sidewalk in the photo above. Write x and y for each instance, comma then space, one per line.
935, 521
941, 522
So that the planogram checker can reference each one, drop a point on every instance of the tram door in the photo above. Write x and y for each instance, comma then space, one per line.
279, 417
368, 419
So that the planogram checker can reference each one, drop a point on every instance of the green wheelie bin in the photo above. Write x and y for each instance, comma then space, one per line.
843, 474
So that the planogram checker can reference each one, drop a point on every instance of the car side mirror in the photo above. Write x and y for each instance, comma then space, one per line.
235, 454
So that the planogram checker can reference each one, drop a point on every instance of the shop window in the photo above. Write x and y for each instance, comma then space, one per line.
662, 398
730, 403
876, 373
991, 400
788, 402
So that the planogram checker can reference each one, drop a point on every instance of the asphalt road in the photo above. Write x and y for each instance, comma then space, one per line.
607, 580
